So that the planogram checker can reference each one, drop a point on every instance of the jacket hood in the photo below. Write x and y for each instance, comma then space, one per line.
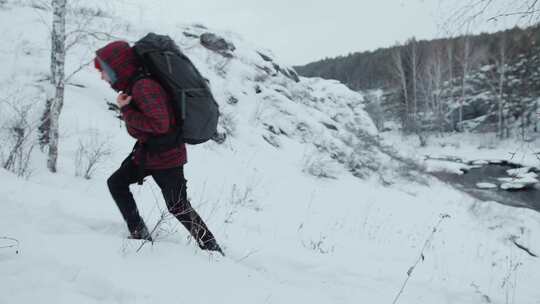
121, 59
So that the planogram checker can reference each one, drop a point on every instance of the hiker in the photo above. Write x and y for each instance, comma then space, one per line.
147, 112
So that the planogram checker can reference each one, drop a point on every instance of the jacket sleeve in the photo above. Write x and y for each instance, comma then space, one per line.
137, 134
150, 114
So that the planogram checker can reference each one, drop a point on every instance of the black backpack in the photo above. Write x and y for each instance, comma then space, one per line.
195, 109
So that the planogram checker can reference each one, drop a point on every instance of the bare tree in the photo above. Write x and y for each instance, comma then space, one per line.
62, 41
432, 82
93, 149
18, 143
413, 72
497, 81
374, 109
55, 98
465, 70
450, 61
404, 68
526, 12
413, 55
536, 115
398, 71
501, 67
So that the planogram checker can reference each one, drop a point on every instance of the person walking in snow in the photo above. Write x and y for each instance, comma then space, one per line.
146, 111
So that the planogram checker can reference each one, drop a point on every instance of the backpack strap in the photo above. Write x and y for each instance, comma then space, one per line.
139, 148
139, 76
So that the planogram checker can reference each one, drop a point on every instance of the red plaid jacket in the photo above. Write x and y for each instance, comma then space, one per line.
150, 112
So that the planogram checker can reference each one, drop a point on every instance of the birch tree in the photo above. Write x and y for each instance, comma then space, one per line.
465, 70
413, 55
450, 64
432, 84
84, 30
497, 81
414, 70
501, 67
536, 113
398, 73
55, 98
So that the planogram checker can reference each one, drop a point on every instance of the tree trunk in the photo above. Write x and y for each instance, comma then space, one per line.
502, 74
58, 56
536, 115
399, 73
414, 77
450, 53
522, 118
466, 58
44, 125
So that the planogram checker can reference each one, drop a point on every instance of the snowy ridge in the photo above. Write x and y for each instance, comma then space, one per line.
255, 92
290, 237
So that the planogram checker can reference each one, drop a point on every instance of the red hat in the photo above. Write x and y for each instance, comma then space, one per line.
119, 61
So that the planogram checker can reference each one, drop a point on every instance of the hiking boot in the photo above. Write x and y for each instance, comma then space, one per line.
141, 234
211, 245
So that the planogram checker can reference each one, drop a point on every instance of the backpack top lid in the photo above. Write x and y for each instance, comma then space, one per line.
163, 59
156, 43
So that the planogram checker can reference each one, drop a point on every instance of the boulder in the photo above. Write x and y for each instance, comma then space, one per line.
217, 44
265, 57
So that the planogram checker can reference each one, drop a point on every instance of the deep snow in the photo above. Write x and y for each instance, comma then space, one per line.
290, 237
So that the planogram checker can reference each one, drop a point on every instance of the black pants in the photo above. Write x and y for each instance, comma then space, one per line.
173, 187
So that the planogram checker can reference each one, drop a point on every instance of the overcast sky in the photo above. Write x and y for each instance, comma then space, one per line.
301, 31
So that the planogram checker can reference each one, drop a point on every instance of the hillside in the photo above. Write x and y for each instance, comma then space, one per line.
307, 201
372, 69
480, 83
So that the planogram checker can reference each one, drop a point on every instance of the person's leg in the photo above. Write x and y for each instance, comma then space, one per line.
173, 187
118, 184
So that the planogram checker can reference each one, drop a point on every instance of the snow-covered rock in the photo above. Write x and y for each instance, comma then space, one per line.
486, 185
446, 166
217, 43
513, 185
520, 181
521, 172
289, 236
480, 162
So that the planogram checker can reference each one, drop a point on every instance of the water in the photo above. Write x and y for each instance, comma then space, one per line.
489, 173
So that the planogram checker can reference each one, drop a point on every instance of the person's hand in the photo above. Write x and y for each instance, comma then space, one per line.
123, 100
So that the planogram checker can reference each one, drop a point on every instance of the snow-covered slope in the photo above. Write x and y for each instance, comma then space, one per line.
294, 194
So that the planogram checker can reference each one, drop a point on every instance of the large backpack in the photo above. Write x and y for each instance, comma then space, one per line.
195, 109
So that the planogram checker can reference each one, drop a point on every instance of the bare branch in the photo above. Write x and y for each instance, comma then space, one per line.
15, 243
421, 257
77, 70
493, 10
